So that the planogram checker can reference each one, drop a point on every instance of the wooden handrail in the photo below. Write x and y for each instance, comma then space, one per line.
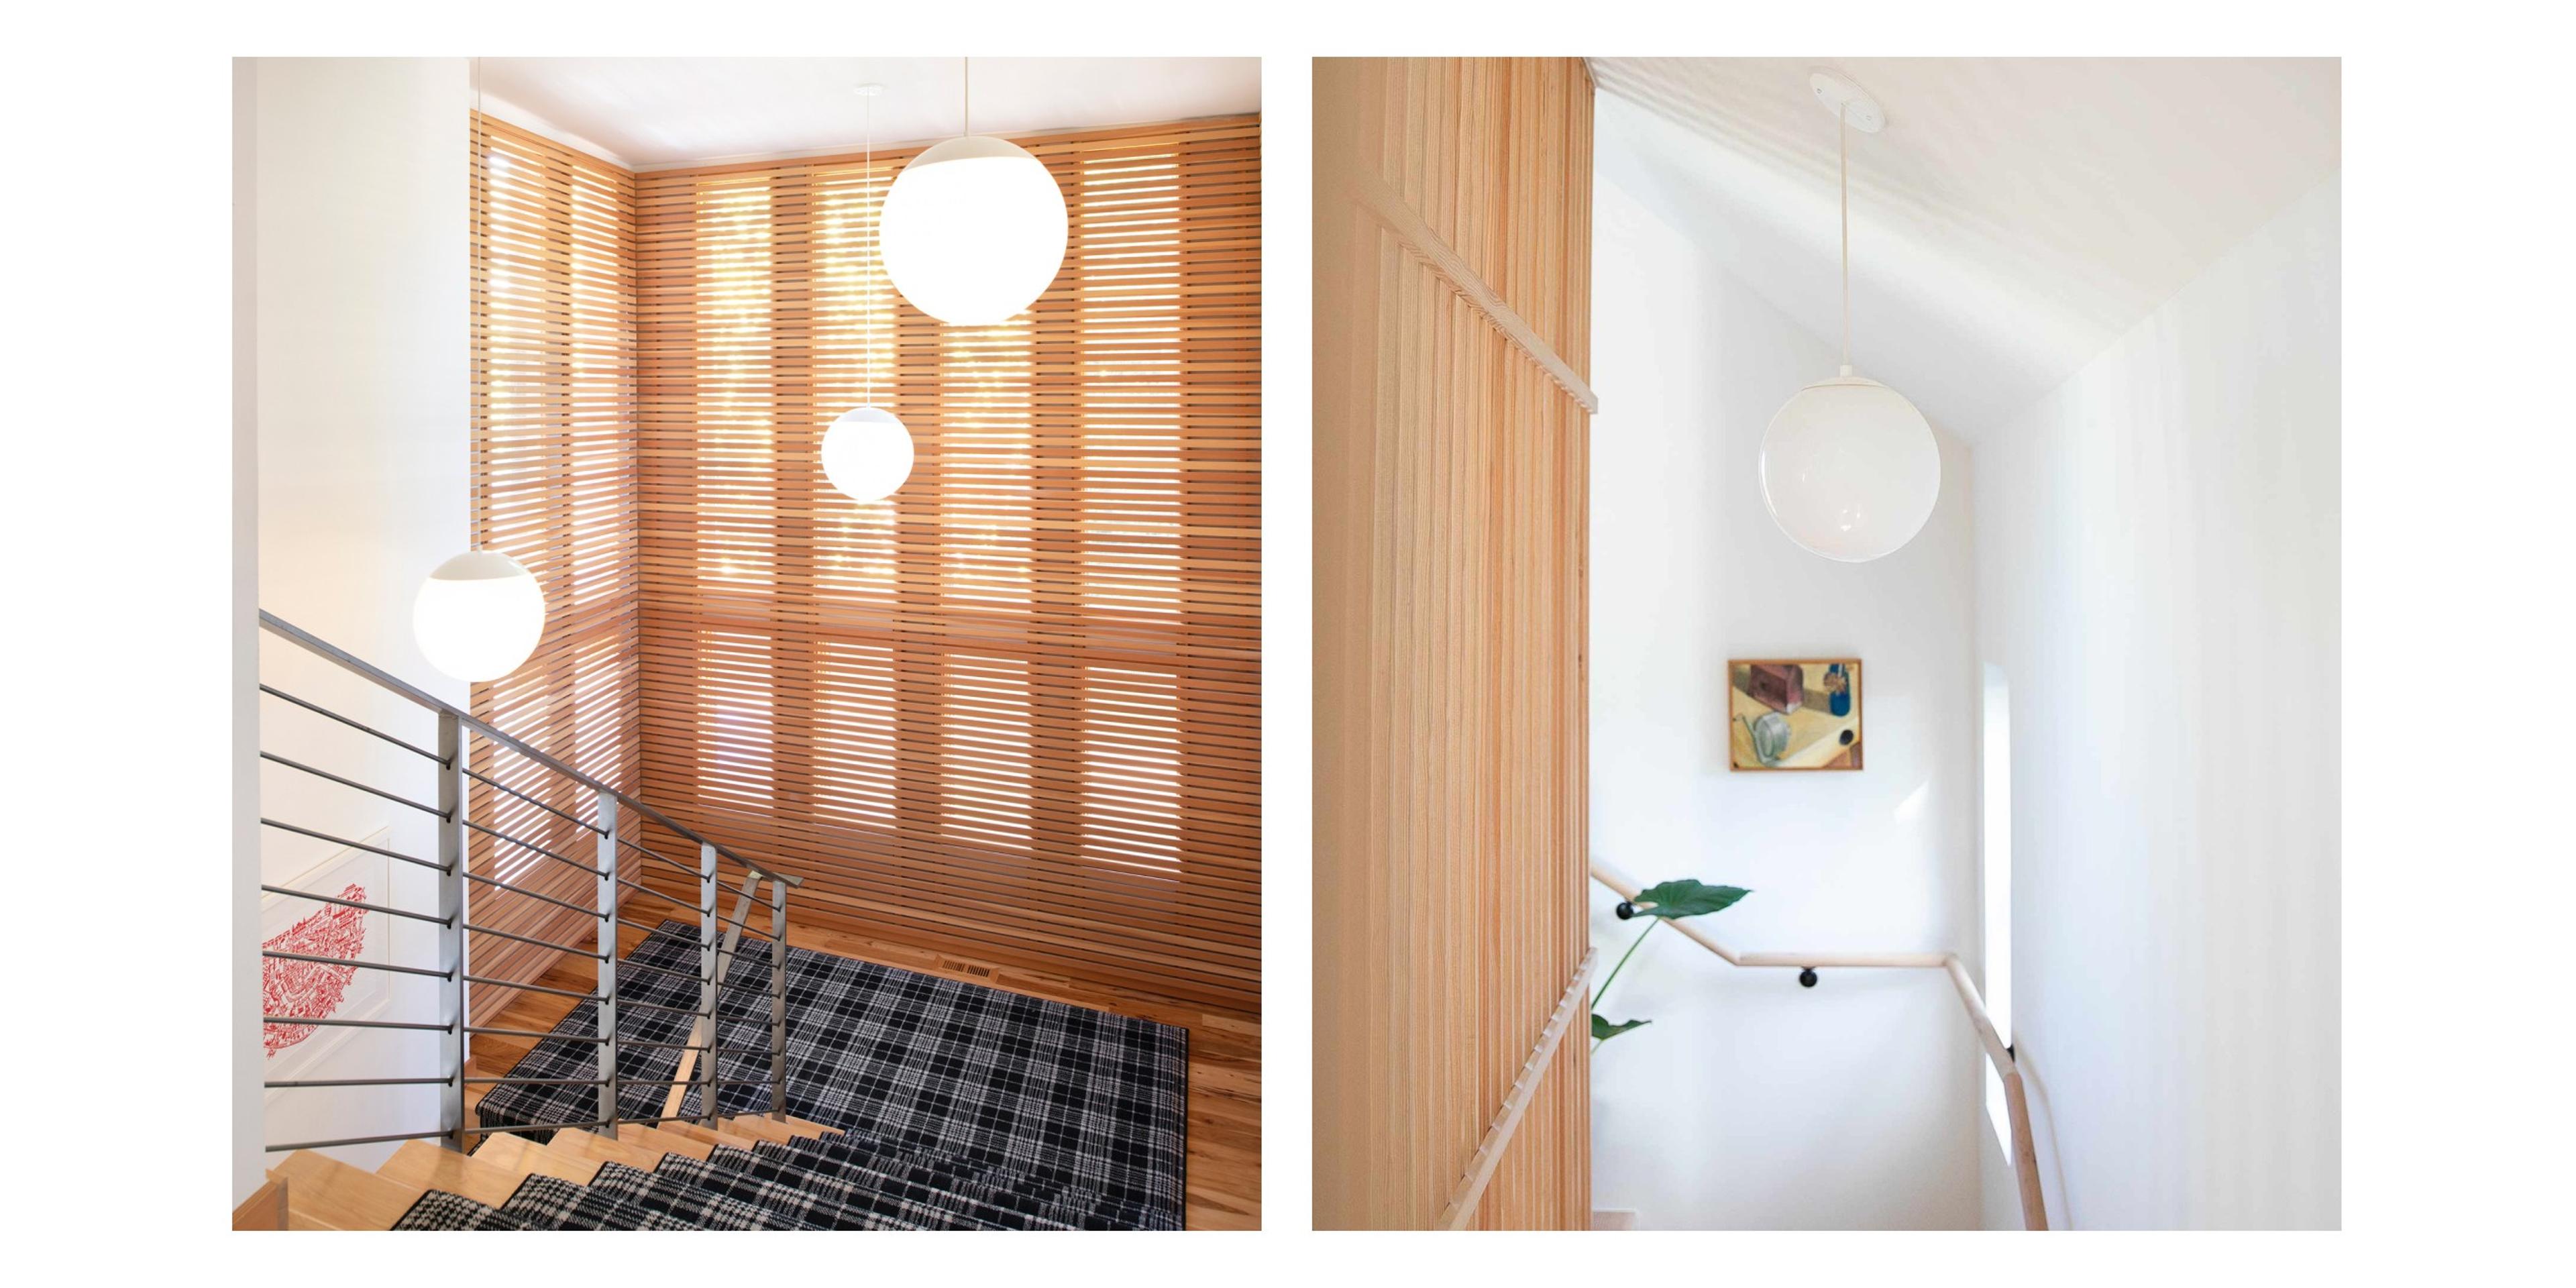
2034, 1208
1507, 1118
1374, 195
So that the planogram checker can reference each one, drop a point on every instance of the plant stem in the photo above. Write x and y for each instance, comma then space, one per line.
1623, 961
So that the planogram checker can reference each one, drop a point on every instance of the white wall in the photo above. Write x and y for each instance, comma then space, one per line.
1751, 1102
358, 282
2157, 576
243, 635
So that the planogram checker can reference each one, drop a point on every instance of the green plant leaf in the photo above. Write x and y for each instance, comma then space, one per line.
1686, 898
1603, 1030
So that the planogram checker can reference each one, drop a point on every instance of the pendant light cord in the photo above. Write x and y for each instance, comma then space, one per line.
482, 170
966, 93
870, 170
1842, 160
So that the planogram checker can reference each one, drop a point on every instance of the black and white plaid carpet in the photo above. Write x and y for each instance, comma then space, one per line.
974, 1090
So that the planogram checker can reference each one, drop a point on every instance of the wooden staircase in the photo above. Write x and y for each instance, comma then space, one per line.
323, 1193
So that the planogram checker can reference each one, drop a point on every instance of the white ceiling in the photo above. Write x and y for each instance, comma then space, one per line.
649, 112
2014, 217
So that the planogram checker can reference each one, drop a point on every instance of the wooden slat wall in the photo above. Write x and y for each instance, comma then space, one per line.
1013, 711
1450, 537
554, 448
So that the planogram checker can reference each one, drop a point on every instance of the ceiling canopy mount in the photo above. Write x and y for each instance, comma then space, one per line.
1837, 94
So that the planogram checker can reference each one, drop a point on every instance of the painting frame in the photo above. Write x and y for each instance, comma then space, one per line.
1842, 751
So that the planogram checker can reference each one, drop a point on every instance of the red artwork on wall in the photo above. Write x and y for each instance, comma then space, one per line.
311, 988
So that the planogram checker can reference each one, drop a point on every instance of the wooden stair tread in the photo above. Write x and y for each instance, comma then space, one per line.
758, 1129
265, 1209
526, 1157
710, 1135
426, 1166
574, 1143
323, 1193
667, 1142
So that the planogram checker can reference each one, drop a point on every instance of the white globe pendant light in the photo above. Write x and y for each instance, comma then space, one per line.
867, 453
1850, 469
479, 616
973, 230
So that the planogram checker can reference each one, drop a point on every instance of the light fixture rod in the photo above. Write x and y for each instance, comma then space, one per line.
966, 93
1842, 149
869, 363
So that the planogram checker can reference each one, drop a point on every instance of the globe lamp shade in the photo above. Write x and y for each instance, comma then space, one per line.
1850, 469
479, 616
867, 454
973, 231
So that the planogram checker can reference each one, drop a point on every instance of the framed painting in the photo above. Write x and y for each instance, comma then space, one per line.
1798, 713
314, 929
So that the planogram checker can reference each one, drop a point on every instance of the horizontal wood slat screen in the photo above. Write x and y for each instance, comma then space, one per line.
553, 366
1450, 606
1012, 711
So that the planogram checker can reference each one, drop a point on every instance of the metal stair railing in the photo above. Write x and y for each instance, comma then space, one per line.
615, 835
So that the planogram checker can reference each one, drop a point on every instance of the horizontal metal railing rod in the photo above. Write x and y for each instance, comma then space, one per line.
673, 900
320, 710
677, 902
359, 1140
499, 835
507, 888
396, 797
540, 943
532, 1033
331, 1022
690, 975
673, 864
283, 955
625, 1004
663, 1046
566, 815
316, 645
492, 1130
546, 1082
535, 988
639, 849
498, 1128
431, 864
357, 1082
353, 903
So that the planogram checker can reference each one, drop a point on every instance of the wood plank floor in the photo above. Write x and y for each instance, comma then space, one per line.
1225, 1057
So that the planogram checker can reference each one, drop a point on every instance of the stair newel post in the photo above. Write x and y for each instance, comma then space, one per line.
455, 1045
778, 1000
608, 1089
708, 893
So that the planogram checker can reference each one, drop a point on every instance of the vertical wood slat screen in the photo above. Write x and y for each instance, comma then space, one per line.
1450, 607
1013, 712
553, 357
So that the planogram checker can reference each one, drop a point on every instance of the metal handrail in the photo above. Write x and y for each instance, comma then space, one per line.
320, 648
456, 927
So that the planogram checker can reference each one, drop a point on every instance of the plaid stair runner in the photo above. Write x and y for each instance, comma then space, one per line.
953, 1106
